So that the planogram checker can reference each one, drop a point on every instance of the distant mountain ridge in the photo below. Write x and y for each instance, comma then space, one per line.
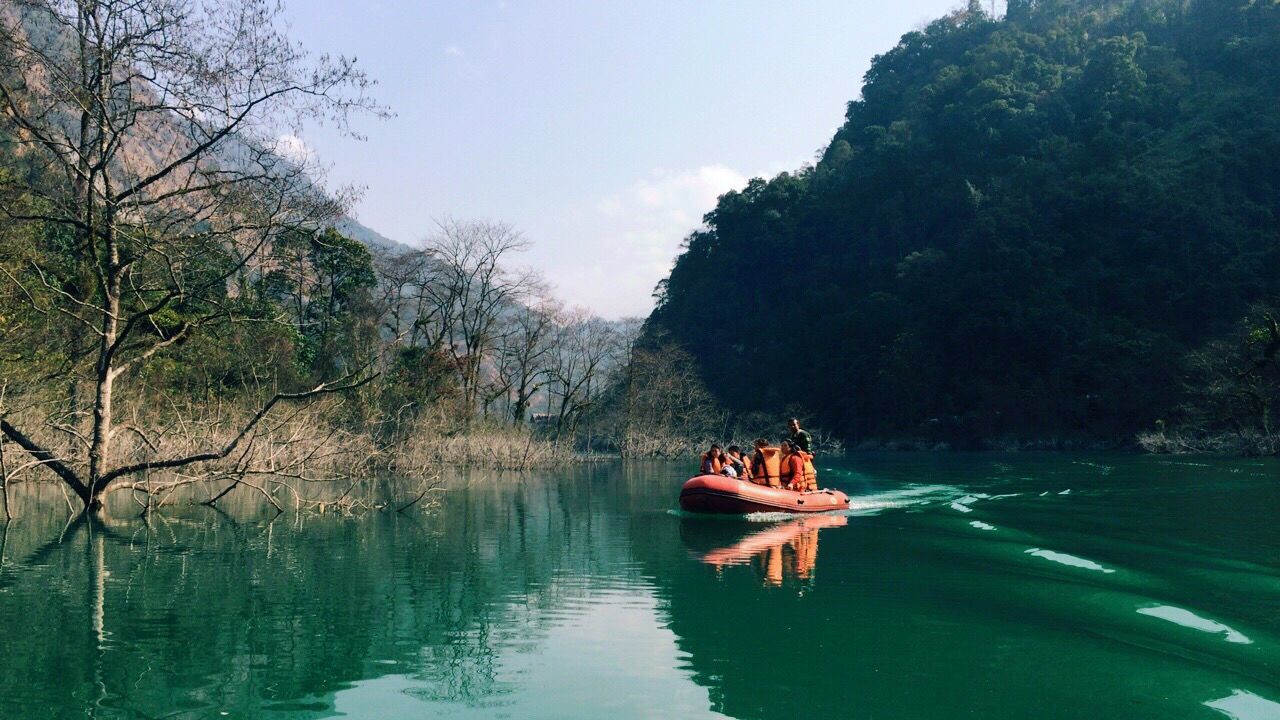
356, 230
147, 141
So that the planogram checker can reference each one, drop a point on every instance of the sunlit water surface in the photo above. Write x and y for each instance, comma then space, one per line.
1026, 586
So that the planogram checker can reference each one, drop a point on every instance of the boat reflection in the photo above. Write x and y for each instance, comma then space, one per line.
789, 549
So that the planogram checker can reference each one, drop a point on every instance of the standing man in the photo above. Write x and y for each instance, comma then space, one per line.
800, 438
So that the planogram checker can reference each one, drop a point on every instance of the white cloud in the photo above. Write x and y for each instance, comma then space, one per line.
661, 210
629, 239
453, 50
294, 149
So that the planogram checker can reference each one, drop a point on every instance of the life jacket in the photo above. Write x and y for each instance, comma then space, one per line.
793, 474
711, 466
810, 472
766, 466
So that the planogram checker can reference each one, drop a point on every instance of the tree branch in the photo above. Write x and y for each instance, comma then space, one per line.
68, 475
321, 389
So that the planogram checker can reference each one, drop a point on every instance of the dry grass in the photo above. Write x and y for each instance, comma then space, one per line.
433, 444
1173, 442
296, 459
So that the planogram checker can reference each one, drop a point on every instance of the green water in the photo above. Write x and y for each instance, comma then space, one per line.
958, 586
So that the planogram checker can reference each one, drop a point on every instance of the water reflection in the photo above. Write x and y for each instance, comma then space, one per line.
579, 594
788, 549
189, 616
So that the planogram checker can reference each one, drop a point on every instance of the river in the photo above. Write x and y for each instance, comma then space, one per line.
984, 586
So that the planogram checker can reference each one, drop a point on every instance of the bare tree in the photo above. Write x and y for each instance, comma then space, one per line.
151, 126
472, 288
400, 302
656, 404
525, 354
583, 349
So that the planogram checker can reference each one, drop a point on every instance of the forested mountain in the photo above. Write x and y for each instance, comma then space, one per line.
1022, 229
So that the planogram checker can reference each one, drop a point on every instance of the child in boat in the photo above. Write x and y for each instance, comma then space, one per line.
712, 461
734, 463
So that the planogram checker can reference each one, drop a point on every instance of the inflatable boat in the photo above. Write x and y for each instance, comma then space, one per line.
731, 496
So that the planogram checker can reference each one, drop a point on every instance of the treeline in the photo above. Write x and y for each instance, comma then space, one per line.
1030, 230
177, 310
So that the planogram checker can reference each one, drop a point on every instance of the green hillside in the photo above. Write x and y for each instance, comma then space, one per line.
1021, 230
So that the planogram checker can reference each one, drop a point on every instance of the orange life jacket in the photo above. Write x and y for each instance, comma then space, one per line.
793, 470
766, 466
810, 472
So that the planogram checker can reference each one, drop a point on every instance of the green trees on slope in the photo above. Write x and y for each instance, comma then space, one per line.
1019, 232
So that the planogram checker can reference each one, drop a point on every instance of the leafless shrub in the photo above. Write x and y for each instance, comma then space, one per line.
433, 443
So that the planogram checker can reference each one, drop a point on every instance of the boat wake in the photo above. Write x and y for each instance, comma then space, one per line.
868, 504
904, 498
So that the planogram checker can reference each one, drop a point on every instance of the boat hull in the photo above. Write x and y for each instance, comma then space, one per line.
730, 496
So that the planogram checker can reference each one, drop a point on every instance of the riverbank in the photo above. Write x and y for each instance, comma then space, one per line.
320, 455
1242, 444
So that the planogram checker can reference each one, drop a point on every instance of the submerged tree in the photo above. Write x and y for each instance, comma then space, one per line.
146, 134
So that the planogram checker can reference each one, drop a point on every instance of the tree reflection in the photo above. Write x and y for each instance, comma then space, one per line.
189, 615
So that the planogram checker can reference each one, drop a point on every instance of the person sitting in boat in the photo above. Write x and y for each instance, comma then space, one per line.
791, 468
765, 465
733, 462
712, 461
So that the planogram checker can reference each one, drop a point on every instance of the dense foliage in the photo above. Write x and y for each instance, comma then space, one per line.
1021, 230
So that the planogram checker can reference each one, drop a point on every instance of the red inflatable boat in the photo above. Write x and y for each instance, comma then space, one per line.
730, 496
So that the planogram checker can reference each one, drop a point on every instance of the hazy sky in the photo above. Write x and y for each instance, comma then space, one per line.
602, 130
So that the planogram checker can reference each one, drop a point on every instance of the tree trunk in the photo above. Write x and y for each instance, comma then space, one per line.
100, 447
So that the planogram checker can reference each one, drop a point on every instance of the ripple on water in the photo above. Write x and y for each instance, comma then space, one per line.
1188, 619
1066, 559
1244, 705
